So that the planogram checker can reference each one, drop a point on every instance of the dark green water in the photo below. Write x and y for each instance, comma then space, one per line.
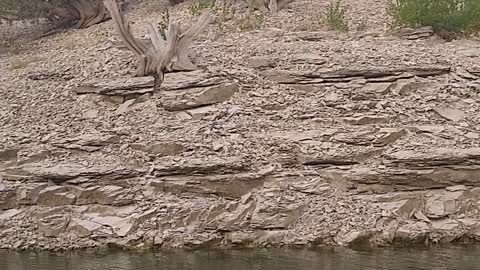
455, 258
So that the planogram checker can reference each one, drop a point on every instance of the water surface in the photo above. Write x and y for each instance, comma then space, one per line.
457, 257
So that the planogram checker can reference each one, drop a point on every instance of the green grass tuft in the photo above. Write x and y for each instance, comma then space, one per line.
335, 17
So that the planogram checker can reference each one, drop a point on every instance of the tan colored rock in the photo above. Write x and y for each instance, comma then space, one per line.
55, 196
199, 113
404, 208
389, 136
276, 216
307, 58
450, 114
259, 62
411, 170
28, 193
87, 142
348, 238
197, 97
465, 74
106, 195
203, 241
472, 135
435, 129
328, 75
121, 226
369, 119
406, 87
62, 172
100, 210
314, 186
420, 216
8, 155
435, 157
201, 166
240, 238
113, 100
269, 238
377, 88
226, 185
183, 116
90, 114
11, 213
446, 225
443, 203
123, 108
221, 219
160, 149
83, 228
8, 199
456, 188
52, 226
414, 231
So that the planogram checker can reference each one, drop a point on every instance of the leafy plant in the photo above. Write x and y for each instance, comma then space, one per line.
451, 16
335, 16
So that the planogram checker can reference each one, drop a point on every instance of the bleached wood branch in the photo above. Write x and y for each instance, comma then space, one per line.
271, 5
158, 55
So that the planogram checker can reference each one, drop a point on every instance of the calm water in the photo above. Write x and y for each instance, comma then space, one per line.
455, 258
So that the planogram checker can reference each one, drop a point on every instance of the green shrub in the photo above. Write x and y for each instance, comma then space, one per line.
457, 16
336, 18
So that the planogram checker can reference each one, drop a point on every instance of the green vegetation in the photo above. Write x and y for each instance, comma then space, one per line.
454, 16
335, 16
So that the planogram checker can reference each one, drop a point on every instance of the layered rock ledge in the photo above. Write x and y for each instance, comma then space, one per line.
287, 135
229, 202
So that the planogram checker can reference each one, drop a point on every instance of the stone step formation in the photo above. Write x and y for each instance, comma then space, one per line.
279, 138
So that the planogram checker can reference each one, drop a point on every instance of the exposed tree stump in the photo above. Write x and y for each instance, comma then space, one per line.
158, 55
84, 12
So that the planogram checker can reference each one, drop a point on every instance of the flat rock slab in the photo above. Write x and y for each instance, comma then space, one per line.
228, 185
365, 179
450, 113
142, 85
412, 170
198, 97
434, 158
60, 173
181, 90
201, 167
345, 75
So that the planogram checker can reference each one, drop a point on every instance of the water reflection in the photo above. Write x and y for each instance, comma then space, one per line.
462, 258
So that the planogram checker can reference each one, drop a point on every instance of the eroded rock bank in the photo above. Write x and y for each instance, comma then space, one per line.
285, 136
231, 202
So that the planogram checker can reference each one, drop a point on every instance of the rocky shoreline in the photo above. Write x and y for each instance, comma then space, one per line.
230, 203
284, 137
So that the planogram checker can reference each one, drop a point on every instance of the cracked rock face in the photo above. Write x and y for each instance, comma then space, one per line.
282, 137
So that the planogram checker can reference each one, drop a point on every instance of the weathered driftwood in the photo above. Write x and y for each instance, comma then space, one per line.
85, 12
271, 5
158, 55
